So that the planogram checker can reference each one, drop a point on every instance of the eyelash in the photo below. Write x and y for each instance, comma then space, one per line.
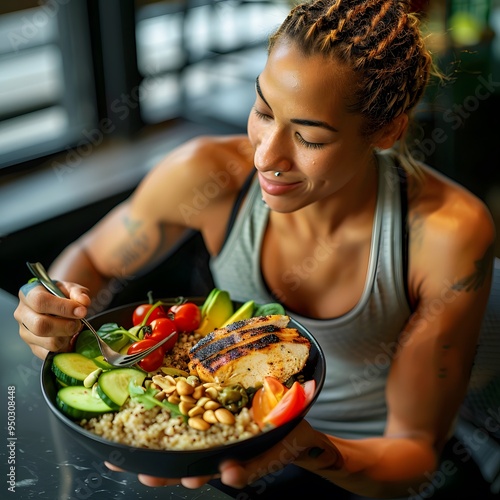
311, 145
302, 141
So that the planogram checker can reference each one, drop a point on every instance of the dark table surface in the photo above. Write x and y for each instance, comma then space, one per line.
39, 461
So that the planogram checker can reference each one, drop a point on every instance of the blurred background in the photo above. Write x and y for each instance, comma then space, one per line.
93, 93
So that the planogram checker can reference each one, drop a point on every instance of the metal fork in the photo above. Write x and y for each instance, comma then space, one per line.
112, 357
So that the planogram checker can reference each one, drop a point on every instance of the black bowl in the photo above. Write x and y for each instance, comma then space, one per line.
169, 463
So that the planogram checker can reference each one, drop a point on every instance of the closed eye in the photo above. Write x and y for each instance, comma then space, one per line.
261, 115
312, 145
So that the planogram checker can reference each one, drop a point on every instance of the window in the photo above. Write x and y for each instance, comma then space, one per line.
72, 68
46, 101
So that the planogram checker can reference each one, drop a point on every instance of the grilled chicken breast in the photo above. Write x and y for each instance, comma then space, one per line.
247, 351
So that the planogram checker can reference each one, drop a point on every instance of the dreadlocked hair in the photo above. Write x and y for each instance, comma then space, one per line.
381, 41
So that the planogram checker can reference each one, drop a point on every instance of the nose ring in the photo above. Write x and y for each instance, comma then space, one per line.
277, 174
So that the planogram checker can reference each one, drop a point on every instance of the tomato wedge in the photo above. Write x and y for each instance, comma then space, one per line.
270, 396
288, 407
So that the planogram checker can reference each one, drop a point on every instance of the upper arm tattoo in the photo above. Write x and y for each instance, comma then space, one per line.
138, 246
476, 280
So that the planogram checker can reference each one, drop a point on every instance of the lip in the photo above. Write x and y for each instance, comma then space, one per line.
274, 187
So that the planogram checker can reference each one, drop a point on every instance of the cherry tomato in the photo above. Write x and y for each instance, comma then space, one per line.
187, 316
141, 311
152, 361
289, 406
266, 398
161, 328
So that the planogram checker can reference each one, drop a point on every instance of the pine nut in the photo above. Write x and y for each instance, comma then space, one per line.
212, 392
174, 399
183, 388
211, 405
188, 399
202, 401
224, 416
199, 391
198, 423
209, 416
184, 407
195, 411
160, 396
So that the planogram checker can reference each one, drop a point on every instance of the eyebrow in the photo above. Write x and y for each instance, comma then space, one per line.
298, 121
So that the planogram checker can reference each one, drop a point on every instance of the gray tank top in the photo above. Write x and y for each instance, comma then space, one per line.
359, 345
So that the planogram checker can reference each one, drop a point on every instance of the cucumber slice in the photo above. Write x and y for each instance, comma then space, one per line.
78, 402
72, 368
102, 363
112, 386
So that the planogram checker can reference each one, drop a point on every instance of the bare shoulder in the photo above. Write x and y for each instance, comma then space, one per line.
195, 179
451, 230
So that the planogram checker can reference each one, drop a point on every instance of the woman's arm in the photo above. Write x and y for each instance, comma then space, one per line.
135, 236
450, 275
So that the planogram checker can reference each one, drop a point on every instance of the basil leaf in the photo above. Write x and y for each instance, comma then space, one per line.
86, 344
267, 309
115, 336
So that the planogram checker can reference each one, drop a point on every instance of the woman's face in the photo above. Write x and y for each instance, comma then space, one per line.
301, 127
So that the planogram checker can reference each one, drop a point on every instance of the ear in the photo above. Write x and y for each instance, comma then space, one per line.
392, 132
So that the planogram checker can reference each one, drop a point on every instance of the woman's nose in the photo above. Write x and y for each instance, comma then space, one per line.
272, 152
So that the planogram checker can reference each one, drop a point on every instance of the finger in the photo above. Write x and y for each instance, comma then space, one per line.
113, 467
77, 293
42, 345
26, 288
42, 301
43, 325
195, 482
303, 446
157, 481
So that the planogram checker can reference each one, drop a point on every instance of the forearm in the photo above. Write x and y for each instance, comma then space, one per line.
378, 467
75, 265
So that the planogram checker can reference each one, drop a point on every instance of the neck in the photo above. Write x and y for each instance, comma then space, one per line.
351, 207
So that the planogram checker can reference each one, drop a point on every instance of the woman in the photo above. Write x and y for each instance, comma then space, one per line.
387, 262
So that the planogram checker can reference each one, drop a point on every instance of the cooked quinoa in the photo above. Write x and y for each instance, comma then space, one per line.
156, 429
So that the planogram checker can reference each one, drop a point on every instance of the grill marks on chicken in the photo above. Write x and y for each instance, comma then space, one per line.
249, 350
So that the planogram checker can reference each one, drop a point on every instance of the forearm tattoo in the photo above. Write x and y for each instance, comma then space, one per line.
475, 280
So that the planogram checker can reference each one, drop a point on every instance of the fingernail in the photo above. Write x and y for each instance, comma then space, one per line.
315, 452
80, 312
